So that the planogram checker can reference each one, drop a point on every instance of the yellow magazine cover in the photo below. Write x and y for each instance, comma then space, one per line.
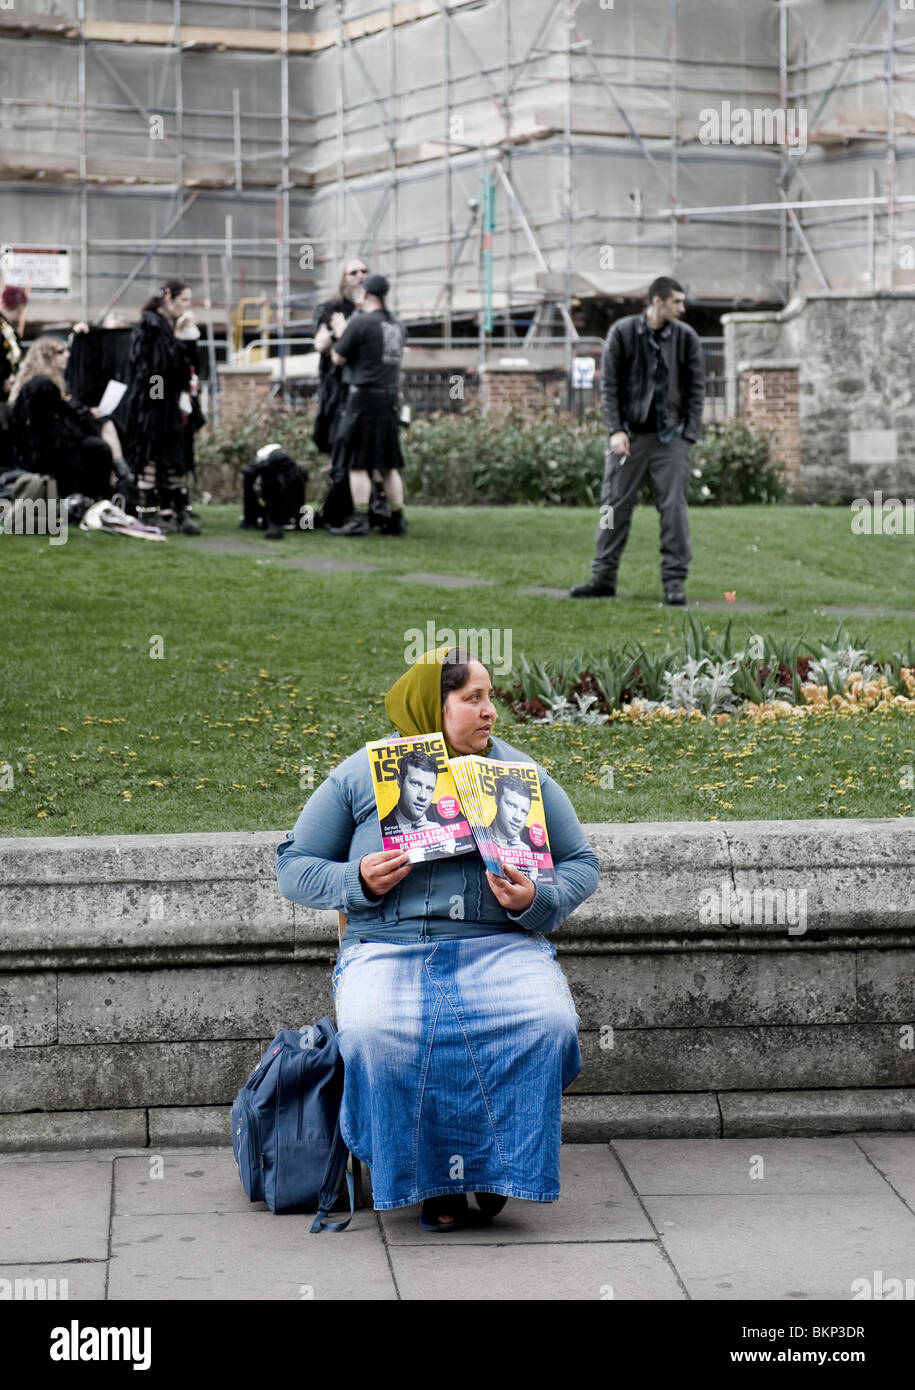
504, 804
418, 806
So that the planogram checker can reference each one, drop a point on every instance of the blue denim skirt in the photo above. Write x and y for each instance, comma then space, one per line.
456, 1054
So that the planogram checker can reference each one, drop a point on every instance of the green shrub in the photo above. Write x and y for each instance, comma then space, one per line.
544, 457
734, 462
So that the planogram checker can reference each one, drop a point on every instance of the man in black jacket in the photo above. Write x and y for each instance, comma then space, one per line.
652, 393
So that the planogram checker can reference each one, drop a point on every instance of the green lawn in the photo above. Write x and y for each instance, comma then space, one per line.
271, 674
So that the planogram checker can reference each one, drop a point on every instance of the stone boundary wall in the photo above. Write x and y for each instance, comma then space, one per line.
854, 410
142, 976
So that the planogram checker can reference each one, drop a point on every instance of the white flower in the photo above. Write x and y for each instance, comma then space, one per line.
705, 491
697, 472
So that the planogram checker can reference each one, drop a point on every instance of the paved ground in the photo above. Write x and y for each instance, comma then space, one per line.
707, 1219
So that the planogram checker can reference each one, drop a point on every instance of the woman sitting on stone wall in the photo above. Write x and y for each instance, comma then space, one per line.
456, 1024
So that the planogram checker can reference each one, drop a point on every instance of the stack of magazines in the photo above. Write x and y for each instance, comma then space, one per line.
503, 805
417, 804
432, 807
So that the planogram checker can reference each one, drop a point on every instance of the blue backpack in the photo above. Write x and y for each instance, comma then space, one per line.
286, 1126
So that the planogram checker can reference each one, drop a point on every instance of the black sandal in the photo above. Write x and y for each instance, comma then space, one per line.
434, 1207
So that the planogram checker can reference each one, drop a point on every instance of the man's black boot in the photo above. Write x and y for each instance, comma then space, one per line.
358, 525
396, 525
675, 594
593, 590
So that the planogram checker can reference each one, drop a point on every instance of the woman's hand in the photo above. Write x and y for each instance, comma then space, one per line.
383, 870
514, 890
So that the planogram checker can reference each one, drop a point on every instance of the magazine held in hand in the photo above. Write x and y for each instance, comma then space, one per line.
504, 806
418, 806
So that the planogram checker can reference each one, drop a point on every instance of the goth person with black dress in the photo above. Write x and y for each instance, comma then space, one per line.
366, 439
161, 416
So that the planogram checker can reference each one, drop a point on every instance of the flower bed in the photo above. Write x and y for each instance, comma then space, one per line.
706, 680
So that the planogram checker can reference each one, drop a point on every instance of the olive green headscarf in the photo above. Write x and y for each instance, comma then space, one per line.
414, 702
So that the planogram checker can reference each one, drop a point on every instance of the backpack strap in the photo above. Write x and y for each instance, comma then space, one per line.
330, 1187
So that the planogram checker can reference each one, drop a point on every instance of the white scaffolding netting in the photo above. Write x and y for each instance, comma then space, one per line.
588, 120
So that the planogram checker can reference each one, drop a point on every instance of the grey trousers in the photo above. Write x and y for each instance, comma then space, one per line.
667, 466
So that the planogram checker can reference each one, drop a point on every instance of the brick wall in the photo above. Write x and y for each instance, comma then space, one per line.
769, 400
522, 388
242, 391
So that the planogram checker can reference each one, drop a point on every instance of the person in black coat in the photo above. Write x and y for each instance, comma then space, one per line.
53, 435
333, 382
160, 412
366, 438
652, 390
274, 491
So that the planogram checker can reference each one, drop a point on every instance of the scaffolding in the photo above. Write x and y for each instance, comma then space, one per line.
276, 139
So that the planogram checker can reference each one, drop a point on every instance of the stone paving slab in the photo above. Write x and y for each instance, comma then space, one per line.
597, 1204
894, 1157
327, 564
332, 563
75, 1280
273, 550
825, 1213
444, 581
252, 1256
201, 1181
534, 1272
724, 1166
784, 1247
51, 1219
712, 605
867, 612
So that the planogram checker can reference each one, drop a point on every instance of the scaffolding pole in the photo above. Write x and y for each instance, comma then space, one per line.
214, 401
340, 190
571, 7
83, 166
890, 69
446, 162
282, 247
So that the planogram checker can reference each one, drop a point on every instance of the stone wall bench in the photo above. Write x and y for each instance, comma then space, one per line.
735, 978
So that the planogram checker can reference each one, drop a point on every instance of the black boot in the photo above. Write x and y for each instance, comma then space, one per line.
184, 523
397, 525
148, 509
358, 525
